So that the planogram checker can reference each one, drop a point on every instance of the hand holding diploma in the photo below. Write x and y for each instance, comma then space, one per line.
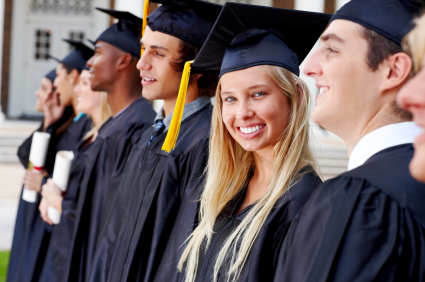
52, 197
58, 184
39, 146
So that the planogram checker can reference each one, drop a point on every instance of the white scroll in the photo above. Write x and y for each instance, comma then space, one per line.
39, 147
60, 178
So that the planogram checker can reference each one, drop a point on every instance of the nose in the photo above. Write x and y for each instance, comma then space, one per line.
312, 65
90, 62
413, 93
144, 62
55, 82
244, 110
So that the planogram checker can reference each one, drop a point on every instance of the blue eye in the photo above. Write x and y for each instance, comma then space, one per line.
230, 99
259, 94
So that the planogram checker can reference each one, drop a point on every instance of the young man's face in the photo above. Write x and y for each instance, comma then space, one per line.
349, 89
102, 66
159, 79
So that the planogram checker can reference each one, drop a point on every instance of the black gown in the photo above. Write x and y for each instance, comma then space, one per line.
158, 194
261, 262
111, 148
365, 225
60, 240
32, 235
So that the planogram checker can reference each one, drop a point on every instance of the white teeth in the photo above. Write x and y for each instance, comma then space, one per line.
323, 89
148, 79
248, 130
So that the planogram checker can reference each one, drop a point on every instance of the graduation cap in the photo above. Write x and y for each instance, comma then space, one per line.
125, 33
51, 75
390, 18
247, 35
78, 57
189, 20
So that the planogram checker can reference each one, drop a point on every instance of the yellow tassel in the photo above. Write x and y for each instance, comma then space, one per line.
173, 131
146, 12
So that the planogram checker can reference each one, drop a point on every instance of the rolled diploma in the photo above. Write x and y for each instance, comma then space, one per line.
60, 178
38, 152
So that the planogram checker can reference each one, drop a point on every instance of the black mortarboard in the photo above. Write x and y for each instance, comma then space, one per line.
248, 35
125, 33
189, 20
391, 18
51, 75
78, 57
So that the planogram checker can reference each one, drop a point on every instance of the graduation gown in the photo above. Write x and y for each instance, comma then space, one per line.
261, 262
32, 235
60, 241
111, 147
158, 194
365, 225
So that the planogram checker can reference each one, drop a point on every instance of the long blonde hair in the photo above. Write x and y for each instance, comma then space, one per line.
229, 166
414, 43
105, 114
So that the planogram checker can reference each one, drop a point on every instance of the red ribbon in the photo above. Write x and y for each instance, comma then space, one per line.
39, 168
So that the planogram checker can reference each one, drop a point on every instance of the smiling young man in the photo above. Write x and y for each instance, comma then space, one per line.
159, 189
113, 70
367, 224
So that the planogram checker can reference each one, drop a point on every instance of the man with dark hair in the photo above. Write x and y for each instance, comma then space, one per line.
158, 192
367, 224
113, 69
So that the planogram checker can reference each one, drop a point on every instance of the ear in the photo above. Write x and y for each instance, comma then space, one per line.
73, 76
124, 61
195, 77
398, 67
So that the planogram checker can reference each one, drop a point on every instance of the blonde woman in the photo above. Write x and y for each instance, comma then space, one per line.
412, 96
93, 104
261, 169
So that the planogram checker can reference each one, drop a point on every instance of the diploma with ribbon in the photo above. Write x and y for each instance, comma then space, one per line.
60, 178
39, 146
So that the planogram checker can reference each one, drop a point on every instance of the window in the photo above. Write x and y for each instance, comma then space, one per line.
73, 7
42, 44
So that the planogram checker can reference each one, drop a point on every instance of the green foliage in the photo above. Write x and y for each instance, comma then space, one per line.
4, 260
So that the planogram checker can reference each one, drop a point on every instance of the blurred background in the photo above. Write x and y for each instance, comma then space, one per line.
34, 28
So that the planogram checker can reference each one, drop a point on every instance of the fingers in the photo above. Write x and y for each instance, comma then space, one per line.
43, 211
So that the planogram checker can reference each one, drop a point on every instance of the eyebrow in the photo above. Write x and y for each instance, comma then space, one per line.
331, 36
249, 88
156, 47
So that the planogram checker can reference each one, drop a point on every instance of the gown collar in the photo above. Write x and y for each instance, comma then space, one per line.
381, 139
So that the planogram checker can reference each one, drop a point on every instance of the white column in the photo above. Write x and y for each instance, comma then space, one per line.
340, 3
310, 5
2, 115
132, 6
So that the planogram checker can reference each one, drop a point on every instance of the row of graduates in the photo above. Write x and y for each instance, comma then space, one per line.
229, 192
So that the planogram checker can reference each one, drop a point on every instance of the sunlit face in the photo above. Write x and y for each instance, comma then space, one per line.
159, 79
88, 101
412, 98
255, 110
349, 90
64, 84
102, 66
42, 93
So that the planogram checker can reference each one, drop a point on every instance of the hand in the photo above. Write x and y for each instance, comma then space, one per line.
52, 195
32, 180
43, 211
53, 110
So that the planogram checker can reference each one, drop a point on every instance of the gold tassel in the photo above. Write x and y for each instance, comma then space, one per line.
173, 131
146, 12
